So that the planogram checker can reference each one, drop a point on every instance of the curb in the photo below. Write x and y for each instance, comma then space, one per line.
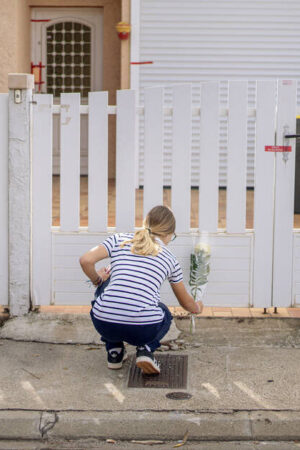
60, 329
257, 425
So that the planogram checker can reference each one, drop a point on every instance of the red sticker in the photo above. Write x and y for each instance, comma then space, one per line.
278, 148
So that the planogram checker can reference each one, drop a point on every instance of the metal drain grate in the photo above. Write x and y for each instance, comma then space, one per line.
173, 373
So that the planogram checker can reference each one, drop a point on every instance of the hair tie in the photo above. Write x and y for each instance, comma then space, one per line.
148, 229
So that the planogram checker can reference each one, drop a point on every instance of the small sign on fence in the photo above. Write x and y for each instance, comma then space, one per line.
278, 148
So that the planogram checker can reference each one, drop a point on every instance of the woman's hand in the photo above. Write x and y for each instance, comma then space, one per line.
200, 307
185, 299
88, 261
104, 273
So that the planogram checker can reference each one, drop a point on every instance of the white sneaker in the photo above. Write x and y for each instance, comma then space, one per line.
116, 357
146, 361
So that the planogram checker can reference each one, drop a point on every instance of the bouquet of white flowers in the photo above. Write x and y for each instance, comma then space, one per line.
199, 270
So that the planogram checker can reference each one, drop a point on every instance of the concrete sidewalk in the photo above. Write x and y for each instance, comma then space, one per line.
243, 375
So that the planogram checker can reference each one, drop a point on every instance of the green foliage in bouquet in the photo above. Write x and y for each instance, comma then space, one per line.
199, 269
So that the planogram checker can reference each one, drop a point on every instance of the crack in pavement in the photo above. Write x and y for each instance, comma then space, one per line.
198, 411
47, 422
190, 346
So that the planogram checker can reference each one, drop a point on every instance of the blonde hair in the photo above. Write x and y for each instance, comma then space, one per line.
159, 222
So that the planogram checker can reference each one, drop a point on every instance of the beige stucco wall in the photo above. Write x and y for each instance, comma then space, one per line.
23, 56
15, 38
16, 57
8, 33
125, 49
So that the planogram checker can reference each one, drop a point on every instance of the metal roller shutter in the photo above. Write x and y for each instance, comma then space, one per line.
202, 40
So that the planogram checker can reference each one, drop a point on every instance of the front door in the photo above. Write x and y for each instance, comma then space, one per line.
67, 57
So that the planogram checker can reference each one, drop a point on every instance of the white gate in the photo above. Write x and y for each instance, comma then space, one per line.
274, 268
249, 267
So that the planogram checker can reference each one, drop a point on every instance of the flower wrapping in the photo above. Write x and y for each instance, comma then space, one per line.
199, 270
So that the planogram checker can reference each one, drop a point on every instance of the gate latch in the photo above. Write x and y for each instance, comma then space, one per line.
286, 137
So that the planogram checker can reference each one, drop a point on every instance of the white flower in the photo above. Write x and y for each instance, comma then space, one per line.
202, 246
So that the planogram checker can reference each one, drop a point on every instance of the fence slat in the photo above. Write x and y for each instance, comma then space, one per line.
237, 158
69, 162
263, 195
153, 151
209, 158
42, 200
125, 160
181, 156
284, 197
4, 199
98, 161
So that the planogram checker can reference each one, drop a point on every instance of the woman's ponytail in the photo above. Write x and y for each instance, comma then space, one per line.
143, 243
159, 222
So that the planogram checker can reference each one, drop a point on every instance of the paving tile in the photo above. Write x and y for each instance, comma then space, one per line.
73, 310
258, 312
281, 312
179, 311
222, 314
294, 312
207, 311
221, 309
61, 309
241, 312
49, 309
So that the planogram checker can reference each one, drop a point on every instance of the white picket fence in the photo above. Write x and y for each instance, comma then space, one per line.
256, 267
241, 266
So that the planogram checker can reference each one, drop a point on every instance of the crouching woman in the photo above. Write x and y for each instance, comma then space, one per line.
127, 306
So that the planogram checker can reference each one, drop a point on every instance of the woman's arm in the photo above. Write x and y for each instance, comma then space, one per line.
88, 261
185, 299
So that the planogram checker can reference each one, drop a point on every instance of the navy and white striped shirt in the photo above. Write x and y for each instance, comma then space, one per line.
132, 295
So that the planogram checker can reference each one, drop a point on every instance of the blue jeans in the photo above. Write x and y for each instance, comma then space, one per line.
113, 334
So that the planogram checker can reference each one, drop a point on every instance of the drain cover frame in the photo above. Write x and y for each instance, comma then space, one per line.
173, 375
179, 395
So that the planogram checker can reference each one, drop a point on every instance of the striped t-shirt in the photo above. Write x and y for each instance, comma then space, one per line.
132, 295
